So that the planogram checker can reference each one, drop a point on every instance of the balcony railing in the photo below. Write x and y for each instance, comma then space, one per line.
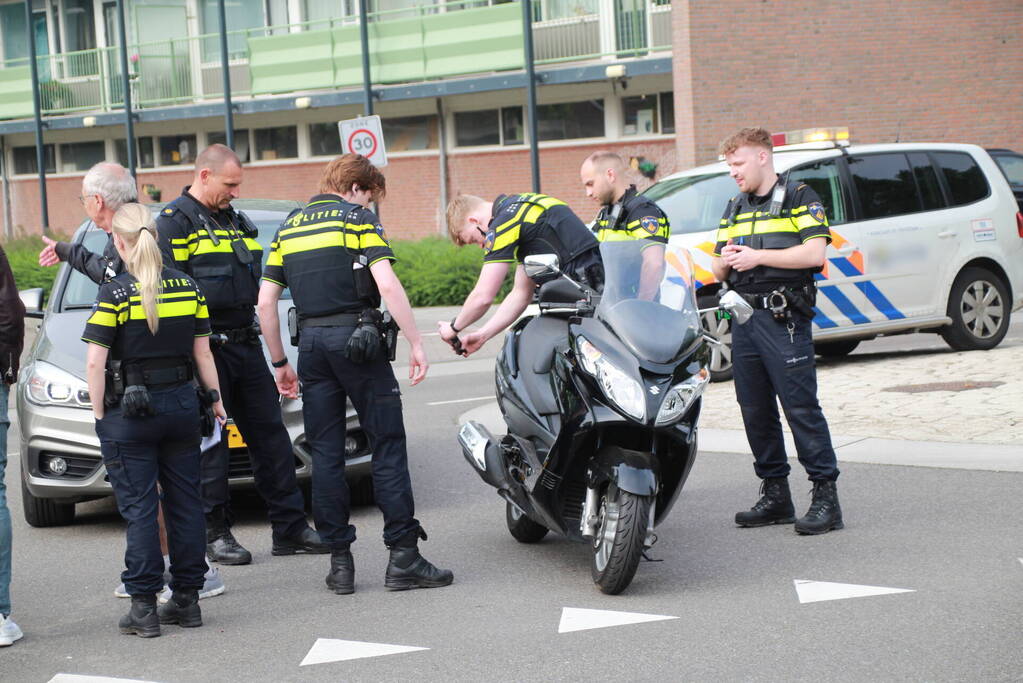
406, 45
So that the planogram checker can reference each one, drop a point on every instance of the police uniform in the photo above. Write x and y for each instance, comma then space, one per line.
219, 250
323, 254
140, 450
775, 358
97, 267
528, 224
633, 217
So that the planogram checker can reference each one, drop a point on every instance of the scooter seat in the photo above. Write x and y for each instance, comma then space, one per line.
537, 343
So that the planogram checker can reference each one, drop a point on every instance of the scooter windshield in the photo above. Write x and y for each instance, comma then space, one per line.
649, 298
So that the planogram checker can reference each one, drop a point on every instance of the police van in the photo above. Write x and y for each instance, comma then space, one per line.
926, 237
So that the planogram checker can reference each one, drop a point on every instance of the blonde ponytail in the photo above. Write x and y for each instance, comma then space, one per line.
134, 224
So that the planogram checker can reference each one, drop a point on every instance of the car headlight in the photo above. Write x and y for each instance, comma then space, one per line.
681, 396
48, 385
622, 390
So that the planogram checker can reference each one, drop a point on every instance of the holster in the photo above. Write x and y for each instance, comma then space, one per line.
293, 330
207, 419
389, 330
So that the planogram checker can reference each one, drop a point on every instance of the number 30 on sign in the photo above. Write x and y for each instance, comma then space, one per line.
363, 136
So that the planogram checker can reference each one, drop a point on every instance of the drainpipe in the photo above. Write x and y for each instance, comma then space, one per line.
442, 143
37, 107
8, 219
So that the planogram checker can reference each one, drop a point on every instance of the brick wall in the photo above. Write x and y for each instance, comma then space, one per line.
412, 208
938, 70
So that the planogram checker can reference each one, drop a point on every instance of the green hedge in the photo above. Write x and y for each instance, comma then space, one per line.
23, 253
434, 271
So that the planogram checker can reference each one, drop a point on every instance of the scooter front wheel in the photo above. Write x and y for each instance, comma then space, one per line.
521, 527
618, 545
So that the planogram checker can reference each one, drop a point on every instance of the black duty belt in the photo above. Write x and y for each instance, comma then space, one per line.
241, 335
332, 320
763, 300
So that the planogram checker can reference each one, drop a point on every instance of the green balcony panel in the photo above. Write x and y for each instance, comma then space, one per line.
15, 92
395, 52
473, 40
292, 61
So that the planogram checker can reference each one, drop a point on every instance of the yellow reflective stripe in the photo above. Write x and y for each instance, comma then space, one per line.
174, 309
179, 240
509, 236
180, 254
371, 239
163, 296
317, 241
103, 318
808, 221
798, 210
274, 259
104, 304
533, 214
722, 235
775, 225
513, 220
312, 226
615, 236
207, 247
201, 311
252, 244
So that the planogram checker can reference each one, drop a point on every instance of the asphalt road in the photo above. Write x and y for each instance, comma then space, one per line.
952, 537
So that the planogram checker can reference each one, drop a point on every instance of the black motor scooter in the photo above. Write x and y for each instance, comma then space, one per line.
601, 394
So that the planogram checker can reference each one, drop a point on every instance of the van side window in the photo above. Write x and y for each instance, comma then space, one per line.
966, 182
884, 184
823, 178
927, 181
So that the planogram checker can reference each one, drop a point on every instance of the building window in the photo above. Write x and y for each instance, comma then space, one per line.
489, 127
81, 156
276, 143
12, 22
322, 13
241, 142
408, 133
648, 114
176, 150
238, 15
324, 140
25, 159
570, 120
144, 156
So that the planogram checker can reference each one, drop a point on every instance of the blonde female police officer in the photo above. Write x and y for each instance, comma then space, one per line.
148, 334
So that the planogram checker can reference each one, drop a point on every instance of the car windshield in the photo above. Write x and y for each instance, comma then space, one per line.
693, 203
649, 294
1012, 167
80, 291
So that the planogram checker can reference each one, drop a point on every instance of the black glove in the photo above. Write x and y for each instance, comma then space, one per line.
364, 344
135, 402
207, 419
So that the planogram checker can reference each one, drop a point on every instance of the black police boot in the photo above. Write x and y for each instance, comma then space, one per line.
305, 541
141, 619
825, 513
408, 569
221, 545
341, 578
182, 609
774, 506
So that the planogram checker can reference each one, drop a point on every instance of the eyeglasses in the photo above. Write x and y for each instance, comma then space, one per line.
83, 197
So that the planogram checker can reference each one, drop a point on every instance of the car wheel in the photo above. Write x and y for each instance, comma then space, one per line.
979, 307
835, 349
720, 354
43, 512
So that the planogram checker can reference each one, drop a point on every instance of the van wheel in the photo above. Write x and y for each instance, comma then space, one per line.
720, 354
43, 512
835, 349
521, 527
979, 307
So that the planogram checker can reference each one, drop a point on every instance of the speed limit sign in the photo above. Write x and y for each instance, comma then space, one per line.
363, 136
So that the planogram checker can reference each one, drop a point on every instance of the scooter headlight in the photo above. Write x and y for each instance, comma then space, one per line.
681, 396
48, 385
620, 389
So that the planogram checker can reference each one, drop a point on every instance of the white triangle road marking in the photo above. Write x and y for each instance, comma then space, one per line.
331, 650
819, 591
577, 619
78, 678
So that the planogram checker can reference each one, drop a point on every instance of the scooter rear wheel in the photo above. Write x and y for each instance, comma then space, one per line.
618, 545
521, 527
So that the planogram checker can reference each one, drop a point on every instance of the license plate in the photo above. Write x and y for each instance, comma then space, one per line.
234, 437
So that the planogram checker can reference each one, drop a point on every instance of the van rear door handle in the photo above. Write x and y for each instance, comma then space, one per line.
947, 234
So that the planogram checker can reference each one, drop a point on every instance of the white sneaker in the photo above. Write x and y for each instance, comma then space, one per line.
9, 632
214, 585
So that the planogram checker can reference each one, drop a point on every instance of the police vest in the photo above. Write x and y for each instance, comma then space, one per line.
219, 250
749, 223
323, 251
528, 224
634, 217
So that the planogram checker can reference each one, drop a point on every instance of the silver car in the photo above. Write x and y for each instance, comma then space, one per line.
60, 457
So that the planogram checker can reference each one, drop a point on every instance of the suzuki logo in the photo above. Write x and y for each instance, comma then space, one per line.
655, 390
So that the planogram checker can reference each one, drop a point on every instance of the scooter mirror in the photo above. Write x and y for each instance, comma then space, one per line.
541, 264
737, 307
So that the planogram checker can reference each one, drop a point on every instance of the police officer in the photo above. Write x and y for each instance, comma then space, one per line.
516, 226
772, 240
201, 234
626, 215
334, 257
148, 335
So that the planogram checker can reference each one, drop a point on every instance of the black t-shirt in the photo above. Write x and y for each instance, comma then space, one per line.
527, 224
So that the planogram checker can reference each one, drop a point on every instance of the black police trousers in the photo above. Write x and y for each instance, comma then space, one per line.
251, 399
328, 378
770, 367
138, 452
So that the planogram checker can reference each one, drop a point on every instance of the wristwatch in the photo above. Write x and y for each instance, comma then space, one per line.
280, 363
